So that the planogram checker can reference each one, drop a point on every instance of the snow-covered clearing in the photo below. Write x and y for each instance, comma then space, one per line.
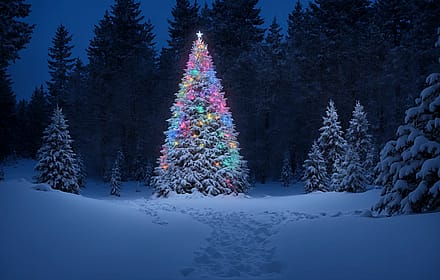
273, 233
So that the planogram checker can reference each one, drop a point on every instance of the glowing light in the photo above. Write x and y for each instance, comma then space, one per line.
232, 145
217, 164
200, 109
199, 35
209, 116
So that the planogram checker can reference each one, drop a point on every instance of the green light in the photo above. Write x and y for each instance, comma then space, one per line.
194, 72
200, 109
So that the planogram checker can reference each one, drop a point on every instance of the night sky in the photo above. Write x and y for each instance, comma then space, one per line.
80, 16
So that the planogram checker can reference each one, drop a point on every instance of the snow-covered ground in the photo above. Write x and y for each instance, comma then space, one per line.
272, 233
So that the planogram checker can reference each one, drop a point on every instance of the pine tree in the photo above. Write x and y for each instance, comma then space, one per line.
82, 172
8, 116
181, 29
15, 33
286, 171
338, 175
315, 174
60, 66
121, 86
330, 141
57, 163
115, 180
360, 141
37, 119
201, 151
352, 173
148, 173
409, 167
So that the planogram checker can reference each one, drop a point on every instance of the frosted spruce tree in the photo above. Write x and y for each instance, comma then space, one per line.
286, 171
338, 174
349, 175
331, 142
115, 179
315, 173
409, 167
360, 140
148, 173
201, 152
57, 163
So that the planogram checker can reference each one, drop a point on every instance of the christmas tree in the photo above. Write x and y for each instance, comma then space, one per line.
57, 163
201, 152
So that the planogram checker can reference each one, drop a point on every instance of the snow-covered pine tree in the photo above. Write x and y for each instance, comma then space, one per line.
315, 173
337, 176
148, 173
201, 150
57, 163
82, 172
286, 171
409, 167
351, 173
331, 142
360, 141
115, 179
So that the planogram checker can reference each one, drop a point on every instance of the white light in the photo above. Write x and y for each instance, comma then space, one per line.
199, 35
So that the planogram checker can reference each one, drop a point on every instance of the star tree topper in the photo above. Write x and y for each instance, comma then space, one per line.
199, 35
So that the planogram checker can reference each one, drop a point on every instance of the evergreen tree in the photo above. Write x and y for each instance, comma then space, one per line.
15, 33
37, 119
330, 141
352, 173
121, 86
7, 115
57, 163
21, 130
360, 141
82, 172
286, 171
409, 167
236, 35
201, 151
270, 90
60, 67
148, 173
338, 175
181, 29
315, 174
115, 180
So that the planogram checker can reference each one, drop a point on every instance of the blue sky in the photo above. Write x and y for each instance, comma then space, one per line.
79, 16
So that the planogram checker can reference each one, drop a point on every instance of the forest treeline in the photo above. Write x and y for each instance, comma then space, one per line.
277, 82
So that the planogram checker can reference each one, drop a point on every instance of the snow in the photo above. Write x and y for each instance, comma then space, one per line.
272, 233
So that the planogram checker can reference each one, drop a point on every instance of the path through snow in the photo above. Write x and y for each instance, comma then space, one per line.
240, 244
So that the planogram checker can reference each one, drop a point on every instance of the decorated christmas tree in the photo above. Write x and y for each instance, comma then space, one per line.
201, 152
